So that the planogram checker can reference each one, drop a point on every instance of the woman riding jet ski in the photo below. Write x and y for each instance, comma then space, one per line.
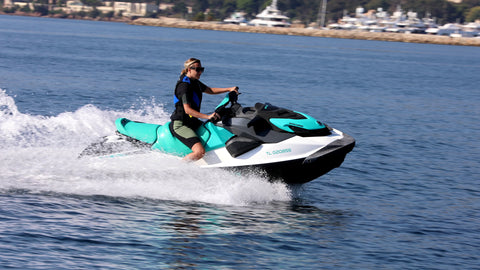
285, 144
188, 100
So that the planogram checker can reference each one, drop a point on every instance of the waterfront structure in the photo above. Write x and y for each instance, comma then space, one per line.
76, 6
401, 22
322, 14
8, 3
381, 21
127, 9
130, 9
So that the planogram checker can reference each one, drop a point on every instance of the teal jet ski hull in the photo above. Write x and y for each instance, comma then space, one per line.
159, 136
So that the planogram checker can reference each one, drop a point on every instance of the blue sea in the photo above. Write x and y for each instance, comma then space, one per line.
406, 197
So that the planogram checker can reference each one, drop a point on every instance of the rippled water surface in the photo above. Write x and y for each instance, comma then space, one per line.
407, 196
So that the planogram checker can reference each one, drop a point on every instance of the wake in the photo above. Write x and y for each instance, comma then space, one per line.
40, 154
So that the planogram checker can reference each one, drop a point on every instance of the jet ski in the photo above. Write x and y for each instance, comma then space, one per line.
280, 143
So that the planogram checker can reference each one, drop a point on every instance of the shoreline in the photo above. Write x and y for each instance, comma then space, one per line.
69, 17
344, 34
293, 31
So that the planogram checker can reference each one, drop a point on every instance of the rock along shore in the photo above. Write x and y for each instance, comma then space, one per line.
396, 37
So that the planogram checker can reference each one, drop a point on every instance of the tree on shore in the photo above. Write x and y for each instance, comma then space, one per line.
92, 3
473, 14
41, 9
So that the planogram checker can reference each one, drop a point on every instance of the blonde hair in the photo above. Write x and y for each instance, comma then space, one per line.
188, 64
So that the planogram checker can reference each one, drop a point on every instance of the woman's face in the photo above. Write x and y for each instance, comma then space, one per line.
195, 71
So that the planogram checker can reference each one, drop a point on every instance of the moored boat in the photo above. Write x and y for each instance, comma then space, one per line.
271, 16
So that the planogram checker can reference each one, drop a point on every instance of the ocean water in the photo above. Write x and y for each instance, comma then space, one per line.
406, 197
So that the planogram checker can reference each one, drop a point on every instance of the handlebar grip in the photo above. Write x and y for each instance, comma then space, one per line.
233, 96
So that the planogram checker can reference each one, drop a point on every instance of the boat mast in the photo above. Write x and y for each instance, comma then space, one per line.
322, 10
274, 4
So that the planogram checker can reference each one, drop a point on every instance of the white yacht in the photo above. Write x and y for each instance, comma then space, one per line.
448, 29
456, 30
236, 18
271, 17
471, 29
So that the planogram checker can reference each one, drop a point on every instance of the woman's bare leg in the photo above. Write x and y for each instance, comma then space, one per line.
198, 152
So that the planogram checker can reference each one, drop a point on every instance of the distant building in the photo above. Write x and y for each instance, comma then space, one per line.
134, 9
20, 4
73, 6
77, 6
128, 9
7, 3
164, 6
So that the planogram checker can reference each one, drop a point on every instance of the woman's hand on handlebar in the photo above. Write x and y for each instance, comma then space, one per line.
235, 88
214, 117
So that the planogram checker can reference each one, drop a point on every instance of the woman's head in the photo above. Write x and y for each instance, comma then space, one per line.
192, 62
192, 68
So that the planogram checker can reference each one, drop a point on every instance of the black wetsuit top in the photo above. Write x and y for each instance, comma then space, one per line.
188, 91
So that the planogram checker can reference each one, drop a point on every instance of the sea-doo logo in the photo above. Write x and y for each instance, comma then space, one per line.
295, 125
281, 151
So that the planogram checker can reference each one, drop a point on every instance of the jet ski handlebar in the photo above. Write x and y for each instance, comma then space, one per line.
222, 109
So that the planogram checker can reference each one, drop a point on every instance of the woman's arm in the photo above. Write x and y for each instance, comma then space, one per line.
214, 91
197, 114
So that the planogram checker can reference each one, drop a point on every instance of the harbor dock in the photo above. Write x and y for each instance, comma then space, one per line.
346, 34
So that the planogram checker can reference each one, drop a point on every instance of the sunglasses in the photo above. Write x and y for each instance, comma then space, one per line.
198, 69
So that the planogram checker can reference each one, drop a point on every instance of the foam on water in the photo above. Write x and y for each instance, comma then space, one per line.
40, 154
